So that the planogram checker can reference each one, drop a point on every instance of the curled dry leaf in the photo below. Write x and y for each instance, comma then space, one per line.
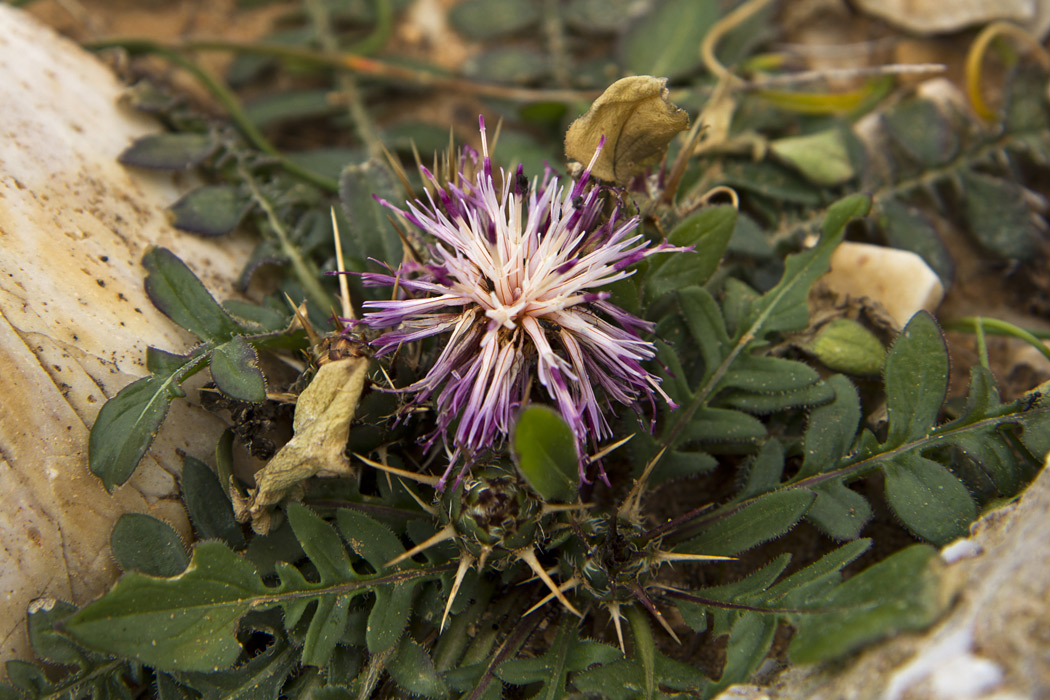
322, 425
637, 121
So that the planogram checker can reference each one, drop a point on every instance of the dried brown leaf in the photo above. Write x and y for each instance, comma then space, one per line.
637, 121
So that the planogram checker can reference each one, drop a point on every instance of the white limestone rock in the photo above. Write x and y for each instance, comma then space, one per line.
899, 280
74, 319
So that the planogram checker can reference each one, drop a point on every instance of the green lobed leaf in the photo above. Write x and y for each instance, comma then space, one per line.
272, 108
176, 151
163, 362
708, 232
321, 543
899, 593
784, 308
566, 654
706, 326
839, 511
928, 498
184, 623
208, 505
916, 380
262, 677
176, 291
750, 641
769, 179
626, 679
773, 402
746, 590
508, 64
809, 583
544, 449
143, 543
210, 210
766, 374
235, 369
714, 425
764, 471
665, 42
125, 427
766, 518
413, 670
830, 429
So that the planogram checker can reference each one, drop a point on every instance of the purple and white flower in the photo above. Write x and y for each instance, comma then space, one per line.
514, 278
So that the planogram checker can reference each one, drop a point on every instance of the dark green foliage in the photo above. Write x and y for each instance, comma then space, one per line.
208, 505
189, 623
142, 543
665, 42
212, 210
125, 427
180, 151
765, 436
544, 450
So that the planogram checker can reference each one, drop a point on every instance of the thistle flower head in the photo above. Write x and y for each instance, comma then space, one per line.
514, 278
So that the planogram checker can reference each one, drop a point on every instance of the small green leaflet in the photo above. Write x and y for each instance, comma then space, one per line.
544, 449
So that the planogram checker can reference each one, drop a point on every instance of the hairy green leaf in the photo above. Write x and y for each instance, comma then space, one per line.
208, 505
707, 232
235, 370
846, 346
544, 450
908, 228
765, 374
749, 643
566, 654
126, 425
369, 235
211, 210
998, 215
41, 619
822, 157
764, 471
183, 623
918, 126
177, 292
831, 429
784, 307
928, 498
723, 425
899, 593
766, 518
489, 19
413, 670
916, 379
838, 510
765, 403
140, 542
176, 151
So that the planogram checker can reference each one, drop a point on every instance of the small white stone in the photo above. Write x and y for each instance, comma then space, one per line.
966, 677
899, 280
962, 548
